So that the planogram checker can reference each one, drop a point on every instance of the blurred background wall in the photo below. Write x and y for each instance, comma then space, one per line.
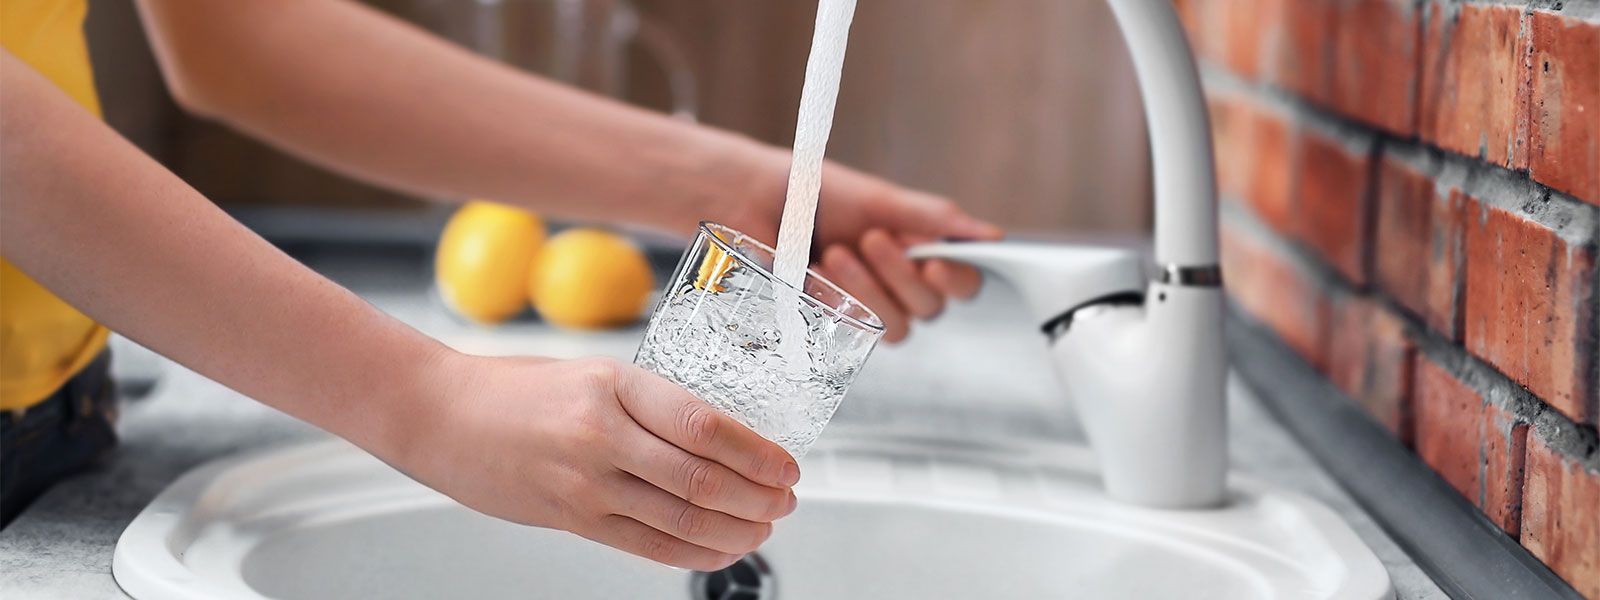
1024, 111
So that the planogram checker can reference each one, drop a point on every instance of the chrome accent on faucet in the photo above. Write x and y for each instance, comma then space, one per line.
1191, 276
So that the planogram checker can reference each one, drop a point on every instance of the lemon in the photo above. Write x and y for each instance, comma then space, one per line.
481, 267
590, 279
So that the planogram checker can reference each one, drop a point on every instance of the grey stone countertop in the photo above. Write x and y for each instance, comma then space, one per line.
978, 369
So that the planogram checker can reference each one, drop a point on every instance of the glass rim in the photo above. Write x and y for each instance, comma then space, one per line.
709, 229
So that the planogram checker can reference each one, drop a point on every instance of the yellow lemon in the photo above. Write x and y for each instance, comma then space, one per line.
590, 279
481, 267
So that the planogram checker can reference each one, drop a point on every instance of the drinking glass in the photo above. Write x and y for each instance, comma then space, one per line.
718, 331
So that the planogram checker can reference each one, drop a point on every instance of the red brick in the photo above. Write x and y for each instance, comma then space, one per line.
1248, 22
1528, 308
1561, 516
1417, 245
1369, 357
1474, 82
1186, 10
1302, 43
1232, 33
1375, 63
1270, 176
1199, 26
1252, 145
1330, 186
1446, 412
1276, 291
1199, 23
1564, 126
1474, 445
1358, 57
1230, 142
1503, 439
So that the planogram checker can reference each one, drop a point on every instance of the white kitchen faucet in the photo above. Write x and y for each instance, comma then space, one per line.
1141, 353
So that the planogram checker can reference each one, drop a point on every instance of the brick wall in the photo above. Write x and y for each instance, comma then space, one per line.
1411, 200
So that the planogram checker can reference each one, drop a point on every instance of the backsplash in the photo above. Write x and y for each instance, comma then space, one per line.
1412, 202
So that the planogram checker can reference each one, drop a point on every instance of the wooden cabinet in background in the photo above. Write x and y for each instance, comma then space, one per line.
1025, 111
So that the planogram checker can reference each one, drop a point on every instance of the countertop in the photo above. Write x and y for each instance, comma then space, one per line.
977, 369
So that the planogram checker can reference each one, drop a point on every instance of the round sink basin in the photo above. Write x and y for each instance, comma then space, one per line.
879, 517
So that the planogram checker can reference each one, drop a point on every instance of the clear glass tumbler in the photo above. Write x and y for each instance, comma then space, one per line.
716, 331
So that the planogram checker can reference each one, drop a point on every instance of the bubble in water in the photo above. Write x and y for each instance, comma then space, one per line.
785, 398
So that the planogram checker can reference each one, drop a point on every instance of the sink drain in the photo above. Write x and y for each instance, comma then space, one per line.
748, 579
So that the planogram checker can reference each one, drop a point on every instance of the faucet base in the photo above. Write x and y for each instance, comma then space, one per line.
1149, 382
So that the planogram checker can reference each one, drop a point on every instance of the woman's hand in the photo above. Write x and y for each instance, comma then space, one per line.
864, 226
602, 449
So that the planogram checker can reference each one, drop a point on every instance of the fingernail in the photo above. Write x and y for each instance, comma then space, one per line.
791, 474
794, 502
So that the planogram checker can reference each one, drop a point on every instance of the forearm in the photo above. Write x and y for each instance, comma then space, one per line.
368, 95
135, 248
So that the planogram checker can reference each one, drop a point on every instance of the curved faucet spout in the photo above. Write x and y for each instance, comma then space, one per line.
1180, 133
1148, 377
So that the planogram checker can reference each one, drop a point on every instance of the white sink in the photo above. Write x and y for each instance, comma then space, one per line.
880, 517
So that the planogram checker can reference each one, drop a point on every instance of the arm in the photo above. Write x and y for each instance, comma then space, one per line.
602, 449
128, 243
373, 97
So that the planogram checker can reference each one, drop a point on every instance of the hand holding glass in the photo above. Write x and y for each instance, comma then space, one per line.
716, 331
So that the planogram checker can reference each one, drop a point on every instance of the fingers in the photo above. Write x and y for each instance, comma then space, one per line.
676, 416
955, 280
633, 537
914, 212
704, 483
847, 272
895, 287
897, 273
951, 279
665, 512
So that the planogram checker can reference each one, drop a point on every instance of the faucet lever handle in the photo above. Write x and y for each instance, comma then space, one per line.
1053, 279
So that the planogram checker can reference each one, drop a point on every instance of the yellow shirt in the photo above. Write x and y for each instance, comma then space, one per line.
44, 341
